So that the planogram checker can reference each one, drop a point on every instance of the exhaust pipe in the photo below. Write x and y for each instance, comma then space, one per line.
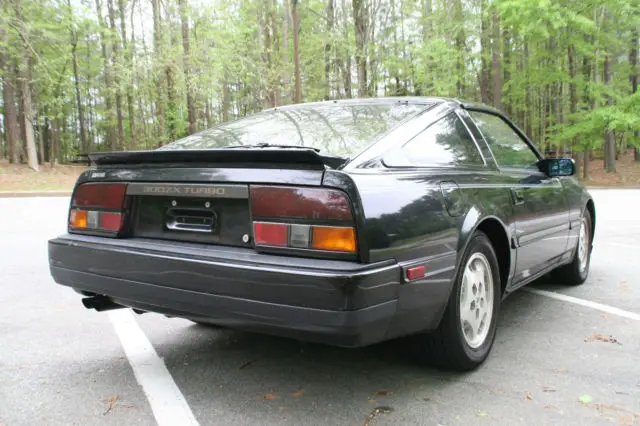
100, 303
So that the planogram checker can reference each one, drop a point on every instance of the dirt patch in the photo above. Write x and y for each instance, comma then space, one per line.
627, 172
19, 177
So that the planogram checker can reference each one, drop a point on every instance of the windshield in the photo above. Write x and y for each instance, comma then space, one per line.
333, 128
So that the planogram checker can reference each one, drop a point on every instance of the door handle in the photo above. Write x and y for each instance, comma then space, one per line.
517, 196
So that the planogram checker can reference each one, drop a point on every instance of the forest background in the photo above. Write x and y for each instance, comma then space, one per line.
99, 75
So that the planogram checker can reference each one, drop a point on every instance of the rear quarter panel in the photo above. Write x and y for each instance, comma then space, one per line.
406, 217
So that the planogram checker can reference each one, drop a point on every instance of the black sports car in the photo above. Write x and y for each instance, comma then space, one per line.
341, 222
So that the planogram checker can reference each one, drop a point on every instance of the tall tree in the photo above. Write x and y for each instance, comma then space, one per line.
115, 60
160, 81
296, 51
191, 109
128, 54
108, 78
360, 25
8, 93
635, 73
24, 81
76, 77
610, 140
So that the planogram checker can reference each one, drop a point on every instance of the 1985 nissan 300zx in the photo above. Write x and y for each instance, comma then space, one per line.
343, 222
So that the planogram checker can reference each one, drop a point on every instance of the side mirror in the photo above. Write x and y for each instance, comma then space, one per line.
554, 167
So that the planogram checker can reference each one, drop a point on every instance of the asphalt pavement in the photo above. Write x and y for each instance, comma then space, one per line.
555, 361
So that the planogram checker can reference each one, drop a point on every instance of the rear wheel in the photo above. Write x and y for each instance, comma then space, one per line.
467, 330
576, 272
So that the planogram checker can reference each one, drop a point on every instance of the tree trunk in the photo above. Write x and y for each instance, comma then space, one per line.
528, 101
25, 96
506, 58
360, 26
427, 30
115, 60
495, 62
296, 51
8, 98
108, 79
74, 54
161, 87
128, 55
460, 46
225, 101
633, 60
573, 102
41, 143
610, 141
327, 49
191, 110
286, 78
485, 72
346, 63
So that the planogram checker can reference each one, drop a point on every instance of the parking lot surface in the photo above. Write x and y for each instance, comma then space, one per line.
555, 361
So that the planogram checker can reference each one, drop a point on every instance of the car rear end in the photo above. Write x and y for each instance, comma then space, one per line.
252, 253
251, 224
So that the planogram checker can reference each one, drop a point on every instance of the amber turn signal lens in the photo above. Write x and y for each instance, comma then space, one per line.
78, 219
333, 238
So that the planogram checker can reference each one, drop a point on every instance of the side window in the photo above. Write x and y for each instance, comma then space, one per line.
444, 143
507, 146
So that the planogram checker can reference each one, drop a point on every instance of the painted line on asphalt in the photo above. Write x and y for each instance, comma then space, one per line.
167, 402
587, 303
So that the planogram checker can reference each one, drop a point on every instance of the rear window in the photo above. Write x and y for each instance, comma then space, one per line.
333, 128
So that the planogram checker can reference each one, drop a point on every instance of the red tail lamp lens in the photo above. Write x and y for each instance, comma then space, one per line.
98, 206
271, 234
100, 195
110, 221
300, 203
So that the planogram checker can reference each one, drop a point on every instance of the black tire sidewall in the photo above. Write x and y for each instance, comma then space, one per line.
478, 243
582, 275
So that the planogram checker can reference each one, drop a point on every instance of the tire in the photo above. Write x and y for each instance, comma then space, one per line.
576, 272
452, 345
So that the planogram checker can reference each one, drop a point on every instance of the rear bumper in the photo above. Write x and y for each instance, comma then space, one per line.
334, 302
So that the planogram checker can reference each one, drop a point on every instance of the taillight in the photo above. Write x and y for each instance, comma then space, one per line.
302, 218
98, 207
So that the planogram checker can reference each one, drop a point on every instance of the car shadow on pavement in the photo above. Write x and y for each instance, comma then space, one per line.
220, 369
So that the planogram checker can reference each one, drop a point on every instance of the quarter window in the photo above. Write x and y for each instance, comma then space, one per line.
444, 143
508, 148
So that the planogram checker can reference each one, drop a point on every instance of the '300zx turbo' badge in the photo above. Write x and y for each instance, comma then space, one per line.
189, 190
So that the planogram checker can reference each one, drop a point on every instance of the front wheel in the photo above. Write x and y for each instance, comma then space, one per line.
467, 330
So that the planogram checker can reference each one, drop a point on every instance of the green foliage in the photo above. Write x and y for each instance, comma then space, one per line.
510, 53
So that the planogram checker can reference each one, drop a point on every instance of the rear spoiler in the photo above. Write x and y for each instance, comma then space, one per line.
270, 157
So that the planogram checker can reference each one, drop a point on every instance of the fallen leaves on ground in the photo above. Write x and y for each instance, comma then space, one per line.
270, 396
384, 393
528, 396
113, 401
376, 412
601, 338
297, 393
585, 399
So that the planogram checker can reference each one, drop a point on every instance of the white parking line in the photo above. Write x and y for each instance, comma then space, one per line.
593, 305
167, 402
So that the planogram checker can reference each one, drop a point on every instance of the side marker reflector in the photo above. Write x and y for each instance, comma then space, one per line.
416, 272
